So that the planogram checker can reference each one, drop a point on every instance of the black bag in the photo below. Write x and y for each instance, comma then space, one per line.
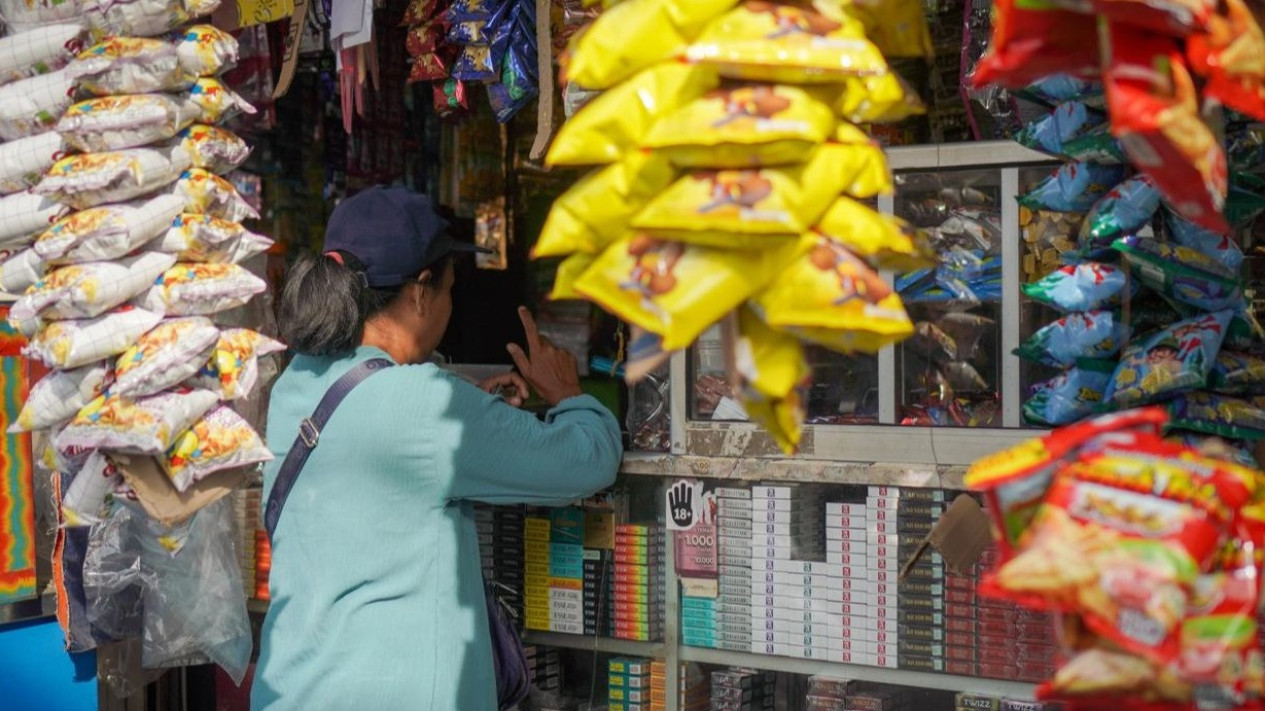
508, 659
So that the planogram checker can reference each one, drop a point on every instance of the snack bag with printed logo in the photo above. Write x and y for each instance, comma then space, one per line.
86, 180
112, 123
198, 289
65, 345
1230, 53
23, 162
678, 290
884, 241
1220, 415
1181, 275
144, 426
88, 290
1034, 40
39, 51
206, 50
129, 65
1169, 362
213, 149
883, 98
1073, 187
220, 440
1094, 334
1070, 396
142, 18
203, 238
1237, 373
32, 106
232, 369
1087, 286
106, 232
165, 356
569, 270
206, 193
59, 395
1126, 209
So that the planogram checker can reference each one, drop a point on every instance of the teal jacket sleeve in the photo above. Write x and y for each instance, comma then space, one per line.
513, 457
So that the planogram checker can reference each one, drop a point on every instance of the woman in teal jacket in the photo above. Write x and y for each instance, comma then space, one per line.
376, 583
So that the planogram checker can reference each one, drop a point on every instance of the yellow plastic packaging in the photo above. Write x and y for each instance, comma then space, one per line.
727, 207
744, 127
569, 271
678, 290
620, 119
830, 296
786, 44
770, 362
861, 158
636, 34
596, 211
883, 98
897, 27
884, 241
782, 418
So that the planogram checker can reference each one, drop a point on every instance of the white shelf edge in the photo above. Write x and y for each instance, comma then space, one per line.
856, 672
754, 469
605, 645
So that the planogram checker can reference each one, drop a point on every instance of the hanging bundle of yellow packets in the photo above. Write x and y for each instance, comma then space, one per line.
729, 172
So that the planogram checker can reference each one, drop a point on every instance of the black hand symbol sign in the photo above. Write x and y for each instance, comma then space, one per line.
681, 504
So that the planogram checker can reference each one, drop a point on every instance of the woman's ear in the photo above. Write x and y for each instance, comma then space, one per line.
425, 282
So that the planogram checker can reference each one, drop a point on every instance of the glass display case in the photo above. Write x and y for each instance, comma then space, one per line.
955, 390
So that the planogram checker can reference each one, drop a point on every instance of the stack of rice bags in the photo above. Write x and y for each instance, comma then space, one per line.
732, 168
138, 254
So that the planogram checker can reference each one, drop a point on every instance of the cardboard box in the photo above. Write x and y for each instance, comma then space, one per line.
961, 536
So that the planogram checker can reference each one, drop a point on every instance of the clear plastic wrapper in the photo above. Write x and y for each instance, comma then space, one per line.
87, 499
145, 426
114, 578
34, 105
164, 357
39, 51
85, 291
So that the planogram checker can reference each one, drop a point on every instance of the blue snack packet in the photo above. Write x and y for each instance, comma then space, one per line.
1067, 121
1237, 373
1069, 396
1081, 287
1074, 187
1095, 145
1167, 363
1126, 209
1057, 88
1180, 274
1093, 335
1222, 248
1219, 415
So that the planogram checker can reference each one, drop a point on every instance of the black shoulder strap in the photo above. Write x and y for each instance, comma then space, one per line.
309, 434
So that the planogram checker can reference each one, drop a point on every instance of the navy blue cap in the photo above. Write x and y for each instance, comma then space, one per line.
394, 231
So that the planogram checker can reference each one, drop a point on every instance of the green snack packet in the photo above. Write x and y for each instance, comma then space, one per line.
1220, 415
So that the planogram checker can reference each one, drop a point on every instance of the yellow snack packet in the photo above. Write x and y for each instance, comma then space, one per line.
897, 27
767, 41
596, 211
744, 127
883, 98
783, 418
619, 120
886, 242
862, 159
830, 292
678, 290
569, 270
726, 207
636, 34
770, 362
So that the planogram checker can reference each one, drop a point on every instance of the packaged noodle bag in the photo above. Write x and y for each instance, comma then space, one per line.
233, 367
59, 395
206, 193
143, 18
634, 35
39, 51
569, 270
20, 271
619, 120
218, 102
212, 149
65, 345
886, 242
86, 500
202, 238
767, 41
883, 98
1169, 362
86, 180
23, 162
220, 440
191, 289
206, 50
744, 127
1155, 114
106, 232
165, 356
678, 290
596, 210
111, 123
34, 105
829, 293
87, 290
741, 208
130, 65
145, 426
25, 215
26, 16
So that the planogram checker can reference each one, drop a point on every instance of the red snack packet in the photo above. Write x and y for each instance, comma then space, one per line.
1032, 40
1170, 17
423, 39
1155, 114
429, 67
1231, 55
450, 98
418, 12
